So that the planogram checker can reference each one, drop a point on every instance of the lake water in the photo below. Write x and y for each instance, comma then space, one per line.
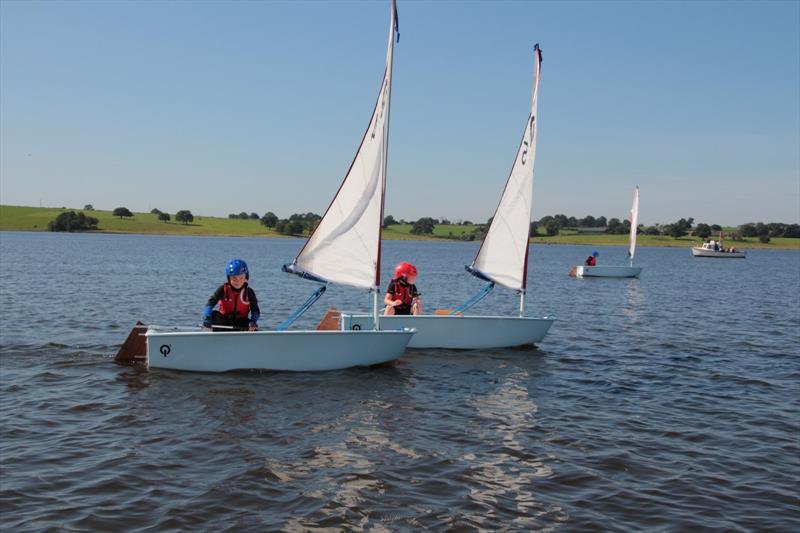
667, 403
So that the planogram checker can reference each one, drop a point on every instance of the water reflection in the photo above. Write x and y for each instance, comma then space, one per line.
505, 475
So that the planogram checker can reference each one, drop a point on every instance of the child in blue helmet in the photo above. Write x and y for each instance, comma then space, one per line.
592, 259
238, 305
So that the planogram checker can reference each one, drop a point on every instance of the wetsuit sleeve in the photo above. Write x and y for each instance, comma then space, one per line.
255, 312
216, 297
414, 291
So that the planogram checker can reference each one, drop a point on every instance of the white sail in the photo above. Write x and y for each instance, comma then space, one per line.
634, 223
345, 246
503, 256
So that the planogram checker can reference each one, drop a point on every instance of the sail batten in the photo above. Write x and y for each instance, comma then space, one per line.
345, 246
503, 255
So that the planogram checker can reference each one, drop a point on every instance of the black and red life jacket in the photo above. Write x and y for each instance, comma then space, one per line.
402, 291
233, 302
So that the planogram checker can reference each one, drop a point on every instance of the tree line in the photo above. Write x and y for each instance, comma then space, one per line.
550, 225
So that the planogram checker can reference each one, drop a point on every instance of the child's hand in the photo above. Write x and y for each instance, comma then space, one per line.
252, 327
396, 303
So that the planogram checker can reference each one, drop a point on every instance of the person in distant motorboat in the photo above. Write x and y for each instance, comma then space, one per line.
402, 296
592, 259
238, 306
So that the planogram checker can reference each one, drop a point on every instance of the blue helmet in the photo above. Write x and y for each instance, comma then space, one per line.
594, 254
236, 267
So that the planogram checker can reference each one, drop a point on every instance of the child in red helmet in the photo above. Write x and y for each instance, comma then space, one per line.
402, 297
238, 305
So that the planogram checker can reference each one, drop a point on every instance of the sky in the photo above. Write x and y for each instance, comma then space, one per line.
223, 107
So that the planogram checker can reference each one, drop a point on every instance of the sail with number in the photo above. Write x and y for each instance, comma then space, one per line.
503, 256
345, 247
634, 223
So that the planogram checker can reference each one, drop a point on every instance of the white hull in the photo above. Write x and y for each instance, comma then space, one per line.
298, 351
704, 252
460, 332
582, 271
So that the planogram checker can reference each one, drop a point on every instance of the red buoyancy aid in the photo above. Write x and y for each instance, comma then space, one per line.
402, 292
236, 303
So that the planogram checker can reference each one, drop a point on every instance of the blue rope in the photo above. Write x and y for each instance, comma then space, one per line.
302, 309
475, 299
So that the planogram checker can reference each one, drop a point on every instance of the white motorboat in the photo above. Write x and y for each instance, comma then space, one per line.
502, 259
715, 249
613, 271
349, 229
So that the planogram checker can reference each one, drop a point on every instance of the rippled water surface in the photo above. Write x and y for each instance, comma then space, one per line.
667, 403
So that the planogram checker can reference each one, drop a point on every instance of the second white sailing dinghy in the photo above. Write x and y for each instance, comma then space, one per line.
344, 248
502, 259
612, 271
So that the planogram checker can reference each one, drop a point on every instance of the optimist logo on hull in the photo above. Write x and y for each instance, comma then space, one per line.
165, 349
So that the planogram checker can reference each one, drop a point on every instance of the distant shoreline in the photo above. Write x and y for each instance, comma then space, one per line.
35, 219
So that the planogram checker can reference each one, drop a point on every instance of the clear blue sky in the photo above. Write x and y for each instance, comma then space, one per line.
222, 107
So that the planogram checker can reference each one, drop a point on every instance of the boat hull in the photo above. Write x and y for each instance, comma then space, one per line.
460, 332
703, 252
582, 271
296, 351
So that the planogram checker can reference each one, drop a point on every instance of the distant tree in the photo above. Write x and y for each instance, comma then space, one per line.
588, 221
467, 223
155, 211
676, 231
184, 216
122, 212
164, 217
423, 226
792, 230
269, 219
748, 230
445, 222
613, 226
71, 221
389, 221
533, 229
233, 215
254, 216
572, 222
243, 215
716, 227
651, 230
601, 222
703, 231
88, 207
763, 238
296, 227
552, 227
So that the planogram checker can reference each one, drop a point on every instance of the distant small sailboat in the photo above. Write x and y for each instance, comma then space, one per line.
502, 259
603, 271
344, 248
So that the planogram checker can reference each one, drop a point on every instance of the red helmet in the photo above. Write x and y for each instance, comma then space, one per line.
405, 270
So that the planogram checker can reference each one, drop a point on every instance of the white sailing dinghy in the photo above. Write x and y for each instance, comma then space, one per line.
611, 271
344, 248
502, 259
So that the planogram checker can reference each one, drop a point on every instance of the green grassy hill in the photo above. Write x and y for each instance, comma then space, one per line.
18, 218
